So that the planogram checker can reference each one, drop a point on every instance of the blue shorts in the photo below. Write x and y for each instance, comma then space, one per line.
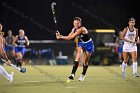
120, 49
9, 48
20, 49
87, 46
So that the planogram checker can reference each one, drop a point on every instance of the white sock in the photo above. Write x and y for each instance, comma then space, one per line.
124, 67
72, 75
4, 73
135, 66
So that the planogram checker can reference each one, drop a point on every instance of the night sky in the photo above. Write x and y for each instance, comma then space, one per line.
35, 16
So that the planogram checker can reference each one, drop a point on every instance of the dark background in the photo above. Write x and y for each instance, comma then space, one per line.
103, 14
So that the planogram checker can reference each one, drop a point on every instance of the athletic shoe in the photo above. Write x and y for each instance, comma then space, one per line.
123, 74
82, 77
120, 66
135, 75
71, 77
11, 77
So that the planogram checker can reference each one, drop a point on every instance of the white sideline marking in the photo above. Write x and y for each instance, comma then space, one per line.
70, 87
31, 81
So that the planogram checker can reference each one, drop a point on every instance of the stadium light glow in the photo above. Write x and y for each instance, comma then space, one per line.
105, 30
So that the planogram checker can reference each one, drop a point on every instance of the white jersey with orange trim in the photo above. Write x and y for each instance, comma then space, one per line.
131, 36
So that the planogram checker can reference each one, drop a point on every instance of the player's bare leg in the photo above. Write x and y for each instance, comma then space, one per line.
76, 63
9, 77
85, 66
120, 59
19, 59
135, 65
124, 63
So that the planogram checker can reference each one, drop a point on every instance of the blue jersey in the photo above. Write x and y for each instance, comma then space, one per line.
85, 42
21, 43
9, 41
120, 42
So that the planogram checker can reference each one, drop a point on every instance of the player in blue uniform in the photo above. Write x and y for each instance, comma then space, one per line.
10, 49
85, 44
119, 43
20, 41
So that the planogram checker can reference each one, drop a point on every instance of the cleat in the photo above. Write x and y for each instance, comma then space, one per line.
123, 74
135, 75
11, 77
82, 77
120, 66
71, 77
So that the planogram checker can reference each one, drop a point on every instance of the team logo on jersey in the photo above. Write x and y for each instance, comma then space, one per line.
131, 35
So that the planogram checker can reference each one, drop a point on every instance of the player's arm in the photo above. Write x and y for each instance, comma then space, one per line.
14, 40
3, 53
27, 41
6, 41
72, 31
116, 41
69, 37
137, 37
13, 37
58, 35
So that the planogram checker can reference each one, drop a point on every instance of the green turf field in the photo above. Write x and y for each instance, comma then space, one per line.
51, 79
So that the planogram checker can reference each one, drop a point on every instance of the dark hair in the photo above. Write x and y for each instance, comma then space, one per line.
78, 19
132, 19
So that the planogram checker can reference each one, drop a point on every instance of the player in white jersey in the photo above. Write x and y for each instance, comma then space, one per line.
3, 72
130, 36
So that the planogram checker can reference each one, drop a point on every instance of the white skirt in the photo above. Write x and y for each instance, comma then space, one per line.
129, 47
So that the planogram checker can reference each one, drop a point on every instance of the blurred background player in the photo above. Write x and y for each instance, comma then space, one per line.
130, 36
85, 43
119, 44
3, 72
10, 49
20, 42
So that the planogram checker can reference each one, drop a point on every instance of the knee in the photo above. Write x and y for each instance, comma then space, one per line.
86, 63
19, 57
